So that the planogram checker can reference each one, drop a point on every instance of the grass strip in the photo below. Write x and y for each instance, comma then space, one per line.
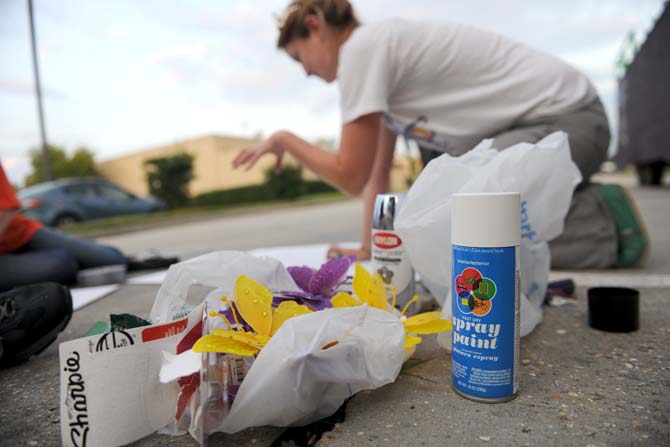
121, 224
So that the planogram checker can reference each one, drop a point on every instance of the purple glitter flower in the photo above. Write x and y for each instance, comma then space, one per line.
314, 302
323, 281
318, 286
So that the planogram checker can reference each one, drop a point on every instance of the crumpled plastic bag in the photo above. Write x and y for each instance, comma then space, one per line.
294, 380
543, 173
216, 269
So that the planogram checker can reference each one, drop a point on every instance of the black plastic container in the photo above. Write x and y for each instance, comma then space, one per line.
614, 309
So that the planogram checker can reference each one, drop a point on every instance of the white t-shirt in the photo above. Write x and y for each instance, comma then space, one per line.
457, 84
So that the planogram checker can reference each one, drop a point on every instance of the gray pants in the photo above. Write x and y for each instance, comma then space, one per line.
589, 239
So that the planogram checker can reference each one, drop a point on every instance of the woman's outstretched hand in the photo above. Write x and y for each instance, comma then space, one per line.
248, 156
361, 253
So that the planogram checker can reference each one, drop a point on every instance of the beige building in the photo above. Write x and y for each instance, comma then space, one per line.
212, 165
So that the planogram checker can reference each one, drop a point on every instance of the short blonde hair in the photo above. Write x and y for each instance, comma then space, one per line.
338, 14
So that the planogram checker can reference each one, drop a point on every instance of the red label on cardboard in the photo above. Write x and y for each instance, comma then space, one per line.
164, 330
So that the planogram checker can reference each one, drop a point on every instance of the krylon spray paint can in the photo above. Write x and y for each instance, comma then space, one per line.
389, 258
485, 236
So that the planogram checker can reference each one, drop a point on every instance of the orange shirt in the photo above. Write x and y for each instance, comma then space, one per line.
21, 229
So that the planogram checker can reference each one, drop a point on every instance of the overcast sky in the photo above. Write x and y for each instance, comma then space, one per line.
123, 75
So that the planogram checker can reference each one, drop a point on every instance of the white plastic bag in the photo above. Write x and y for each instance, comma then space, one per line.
543, 173
217, 269
294, 380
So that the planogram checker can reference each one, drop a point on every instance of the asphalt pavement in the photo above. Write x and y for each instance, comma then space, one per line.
578, 386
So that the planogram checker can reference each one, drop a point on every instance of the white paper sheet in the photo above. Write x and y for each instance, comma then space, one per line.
148, 279
86, 295
612, 278
310, 255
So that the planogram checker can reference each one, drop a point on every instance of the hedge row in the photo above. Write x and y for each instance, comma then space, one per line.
259, 193
317, 187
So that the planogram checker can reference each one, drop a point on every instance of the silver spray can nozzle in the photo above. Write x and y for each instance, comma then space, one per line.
386, 209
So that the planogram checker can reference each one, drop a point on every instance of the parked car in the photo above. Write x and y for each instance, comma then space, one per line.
67, 201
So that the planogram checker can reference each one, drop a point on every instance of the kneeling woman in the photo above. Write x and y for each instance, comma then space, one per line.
446, 86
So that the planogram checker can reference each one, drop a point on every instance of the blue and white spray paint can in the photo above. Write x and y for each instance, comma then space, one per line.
485, 236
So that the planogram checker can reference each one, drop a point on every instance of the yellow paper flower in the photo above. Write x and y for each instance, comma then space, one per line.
254, 302
370, 289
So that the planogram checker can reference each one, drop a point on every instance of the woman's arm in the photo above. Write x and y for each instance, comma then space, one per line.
348, 169
379, 183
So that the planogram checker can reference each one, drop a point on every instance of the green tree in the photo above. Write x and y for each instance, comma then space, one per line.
286, 184
626, 54
81, 164
169, 178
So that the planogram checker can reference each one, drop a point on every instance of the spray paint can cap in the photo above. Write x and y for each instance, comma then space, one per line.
486, 219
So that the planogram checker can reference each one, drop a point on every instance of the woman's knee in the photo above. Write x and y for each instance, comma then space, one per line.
590, 137
108, 255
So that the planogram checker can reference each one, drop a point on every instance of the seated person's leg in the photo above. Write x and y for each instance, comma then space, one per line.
35, 266
86, 253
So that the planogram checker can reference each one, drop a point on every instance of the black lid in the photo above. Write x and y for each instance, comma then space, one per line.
614, 309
